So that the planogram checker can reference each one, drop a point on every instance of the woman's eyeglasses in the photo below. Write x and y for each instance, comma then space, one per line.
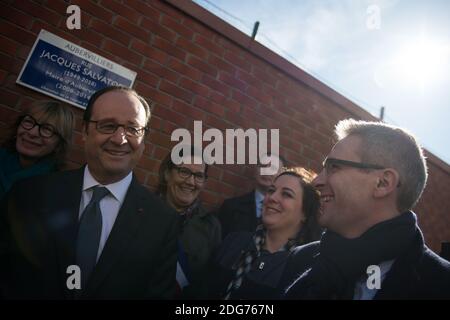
45, 130
185, 173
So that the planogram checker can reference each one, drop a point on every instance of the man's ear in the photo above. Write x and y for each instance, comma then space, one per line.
386, 183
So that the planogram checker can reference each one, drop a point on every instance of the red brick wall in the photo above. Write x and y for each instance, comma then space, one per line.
196, 67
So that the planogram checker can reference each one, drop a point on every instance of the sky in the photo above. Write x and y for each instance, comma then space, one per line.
391, 53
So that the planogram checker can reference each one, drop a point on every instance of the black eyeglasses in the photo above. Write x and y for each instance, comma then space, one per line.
110, 127
185, 173
45, 130
330, 164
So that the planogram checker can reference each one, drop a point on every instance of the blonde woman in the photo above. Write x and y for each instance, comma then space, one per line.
37, 144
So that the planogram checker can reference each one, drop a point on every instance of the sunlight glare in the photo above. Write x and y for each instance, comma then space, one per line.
422, 63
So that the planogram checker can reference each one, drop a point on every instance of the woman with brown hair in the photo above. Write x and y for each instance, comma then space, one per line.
180, 186
251, 265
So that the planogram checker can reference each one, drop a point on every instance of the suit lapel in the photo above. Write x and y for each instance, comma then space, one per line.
403, 279
63, 210
125, 226
399, 283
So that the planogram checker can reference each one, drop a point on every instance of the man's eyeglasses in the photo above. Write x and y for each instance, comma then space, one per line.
110, 127
185, 173
330, 164
45, 130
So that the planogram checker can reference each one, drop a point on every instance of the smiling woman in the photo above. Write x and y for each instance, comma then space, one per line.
37, 143
253, 265
180, 185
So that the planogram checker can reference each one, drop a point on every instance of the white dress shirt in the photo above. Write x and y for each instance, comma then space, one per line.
109, 205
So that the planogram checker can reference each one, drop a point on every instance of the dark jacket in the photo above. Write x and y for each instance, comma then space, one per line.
11, 170
266, 280
38, 229
238, 214
200, 236
417, 274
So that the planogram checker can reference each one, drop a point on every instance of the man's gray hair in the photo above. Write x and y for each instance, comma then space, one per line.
391, 147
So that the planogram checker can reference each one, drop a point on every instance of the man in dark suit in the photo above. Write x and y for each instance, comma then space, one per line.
95, 232
243, 213
372, 248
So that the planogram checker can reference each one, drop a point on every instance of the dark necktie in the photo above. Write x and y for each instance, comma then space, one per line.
89, 232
